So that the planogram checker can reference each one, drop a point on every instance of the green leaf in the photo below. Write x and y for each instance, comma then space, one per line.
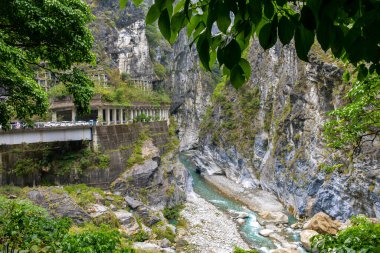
137, 2
223, 19
231, 54
304, 39
325, 33
164, 24
179, 6
307, 18
203, 48
237, 76
153, 14
268, 36
244, 64
285, 30
268, 9
194, 22
256, 11
178, 21
123, 3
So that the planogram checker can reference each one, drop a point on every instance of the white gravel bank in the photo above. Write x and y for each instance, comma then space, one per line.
209, 230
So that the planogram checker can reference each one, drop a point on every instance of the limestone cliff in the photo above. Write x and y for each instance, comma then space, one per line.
269, 135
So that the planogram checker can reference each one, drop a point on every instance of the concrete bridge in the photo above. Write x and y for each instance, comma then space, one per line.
36, 135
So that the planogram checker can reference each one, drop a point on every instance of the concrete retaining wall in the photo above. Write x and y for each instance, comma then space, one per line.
117, 141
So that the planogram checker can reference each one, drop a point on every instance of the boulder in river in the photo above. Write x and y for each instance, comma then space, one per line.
272, 217
322, 223
266, 232
306, 235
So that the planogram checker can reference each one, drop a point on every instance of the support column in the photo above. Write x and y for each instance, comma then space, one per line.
73, 115
131, 114
114, 117
54, 116
100, 115
121, 115
108, 116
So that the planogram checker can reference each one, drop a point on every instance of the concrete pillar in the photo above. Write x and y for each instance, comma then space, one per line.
114, 117
108, 116
131, 114
54, 116
73, 115
121, 115
100, 115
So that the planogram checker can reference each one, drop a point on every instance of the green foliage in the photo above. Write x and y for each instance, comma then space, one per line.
159, 70
125, 94
172, 213
103, 161
136, 156
26, 166
163, 231
107, 218
362, 236
52, 32
358, 121
140, 236
348, 28
58, 91
24, 226
172, 143
240, 250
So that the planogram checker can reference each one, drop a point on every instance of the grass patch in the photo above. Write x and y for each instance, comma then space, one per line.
85, 195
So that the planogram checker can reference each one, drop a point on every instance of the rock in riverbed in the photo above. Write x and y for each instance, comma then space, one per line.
322, 223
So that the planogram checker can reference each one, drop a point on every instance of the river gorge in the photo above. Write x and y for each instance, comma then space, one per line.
176, 159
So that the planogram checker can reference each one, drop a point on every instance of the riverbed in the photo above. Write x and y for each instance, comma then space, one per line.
248, 229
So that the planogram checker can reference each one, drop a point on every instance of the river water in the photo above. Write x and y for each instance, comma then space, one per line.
250, 229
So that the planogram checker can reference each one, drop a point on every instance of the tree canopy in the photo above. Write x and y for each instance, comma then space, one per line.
37, 34
348, 27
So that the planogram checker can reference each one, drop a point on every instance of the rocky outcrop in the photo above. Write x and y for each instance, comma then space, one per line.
323, 224
58, 203
154, 182
272, 138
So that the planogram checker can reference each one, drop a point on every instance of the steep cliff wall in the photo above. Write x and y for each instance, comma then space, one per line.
269, 135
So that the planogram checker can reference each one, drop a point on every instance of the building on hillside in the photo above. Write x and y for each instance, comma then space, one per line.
104, 113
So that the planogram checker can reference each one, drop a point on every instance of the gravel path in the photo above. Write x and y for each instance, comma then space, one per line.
209, 230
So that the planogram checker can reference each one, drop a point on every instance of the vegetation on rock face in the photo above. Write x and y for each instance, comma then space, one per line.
136, 156
54, 32
85, 195
362, 236
236, 112
125, 93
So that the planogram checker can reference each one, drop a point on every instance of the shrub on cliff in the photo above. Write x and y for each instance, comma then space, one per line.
362, 236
